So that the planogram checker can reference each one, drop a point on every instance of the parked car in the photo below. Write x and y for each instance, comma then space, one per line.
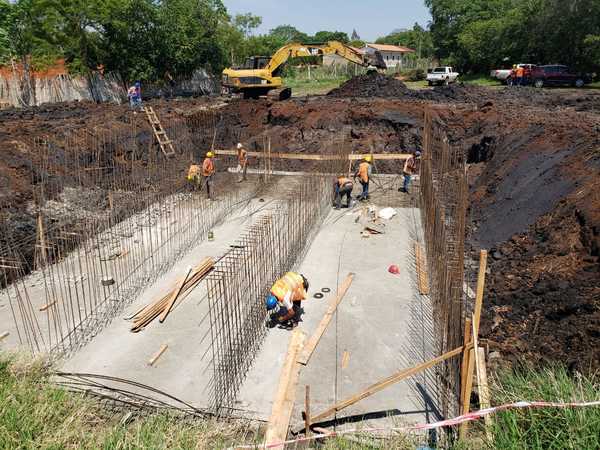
504, 75
441, 75
555, 75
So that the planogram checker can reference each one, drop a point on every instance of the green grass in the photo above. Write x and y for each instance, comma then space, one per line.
36, 415
543, 428
479, 80
302, 86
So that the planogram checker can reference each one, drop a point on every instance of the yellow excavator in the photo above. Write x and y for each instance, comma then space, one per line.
260, 75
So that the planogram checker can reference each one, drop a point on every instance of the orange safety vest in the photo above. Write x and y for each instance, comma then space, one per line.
520, 72
363, 171
194, 171
208, 167
342, 181
293, 282
242, 156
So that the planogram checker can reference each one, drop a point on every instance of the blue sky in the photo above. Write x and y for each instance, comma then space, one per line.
371, 18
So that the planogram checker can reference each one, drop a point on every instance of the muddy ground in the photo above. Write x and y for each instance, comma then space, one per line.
534, 185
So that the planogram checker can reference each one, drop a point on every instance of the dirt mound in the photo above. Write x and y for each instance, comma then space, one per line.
372, 85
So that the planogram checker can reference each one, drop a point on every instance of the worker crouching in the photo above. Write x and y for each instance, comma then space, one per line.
242, 162
194, 177
287, 294
208, 171
343, 188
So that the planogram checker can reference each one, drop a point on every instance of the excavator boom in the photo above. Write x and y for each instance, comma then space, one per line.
255, 81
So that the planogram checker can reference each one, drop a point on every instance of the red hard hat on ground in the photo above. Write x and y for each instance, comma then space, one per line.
394, 269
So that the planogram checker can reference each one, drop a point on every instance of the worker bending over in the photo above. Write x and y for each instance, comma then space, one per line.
208, 170
288, 292
242, 162
193, 176
364, 175
343, 187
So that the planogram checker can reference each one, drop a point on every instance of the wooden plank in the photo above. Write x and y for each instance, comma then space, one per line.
281, 412
48, 305
380, 385
421, 267
345, 359
176, 293
480, 289
307, 411
465, 359
484, 390
466, 401
309, 348
4, 335
158, 354
320, 157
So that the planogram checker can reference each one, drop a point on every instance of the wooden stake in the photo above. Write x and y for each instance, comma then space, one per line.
307, 411
304, 357
480, 289
158, 354
466, 400
281, 412
380, 385
45, 307
484, 390
315, 157
176, 293
465, 359
4, 335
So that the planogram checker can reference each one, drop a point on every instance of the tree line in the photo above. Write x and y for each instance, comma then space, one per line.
477, 35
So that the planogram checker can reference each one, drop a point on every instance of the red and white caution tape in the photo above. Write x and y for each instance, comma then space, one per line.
428, 426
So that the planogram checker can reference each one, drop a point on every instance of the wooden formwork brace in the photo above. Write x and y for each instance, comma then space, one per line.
421, 267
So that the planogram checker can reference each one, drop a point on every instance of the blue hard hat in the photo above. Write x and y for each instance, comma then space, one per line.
137, 84
271, 302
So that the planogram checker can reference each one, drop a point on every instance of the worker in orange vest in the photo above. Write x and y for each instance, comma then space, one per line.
343, 187
288, 292
208, 170
520, 73
364, 175
193, 176
242, 162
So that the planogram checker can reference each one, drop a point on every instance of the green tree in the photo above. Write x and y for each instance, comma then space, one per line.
325, 36
418, 39
247, 23
288, 33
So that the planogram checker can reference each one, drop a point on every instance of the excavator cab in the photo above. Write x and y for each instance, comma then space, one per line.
255, 62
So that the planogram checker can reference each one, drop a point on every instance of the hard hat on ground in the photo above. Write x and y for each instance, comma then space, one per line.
271, 302
304, 282
368, 158
210, 155
239, 146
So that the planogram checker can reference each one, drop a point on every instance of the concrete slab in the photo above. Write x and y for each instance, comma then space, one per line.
183, 371
377, 324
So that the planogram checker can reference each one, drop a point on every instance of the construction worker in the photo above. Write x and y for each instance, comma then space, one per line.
343, 187
193, 176
208, 170
364, 174
512, 78
520, 72
242, 162
135, 95
410, 168
288, 292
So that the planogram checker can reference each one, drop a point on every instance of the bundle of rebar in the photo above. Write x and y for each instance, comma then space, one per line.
163, 306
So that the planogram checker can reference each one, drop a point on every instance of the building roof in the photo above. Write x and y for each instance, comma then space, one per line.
359, 50
391, 48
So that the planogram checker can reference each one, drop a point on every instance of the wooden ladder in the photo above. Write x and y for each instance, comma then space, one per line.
166, 145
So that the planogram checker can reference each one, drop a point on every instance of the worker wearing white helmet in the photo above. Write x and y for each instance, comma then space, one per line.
242, 162
208, 170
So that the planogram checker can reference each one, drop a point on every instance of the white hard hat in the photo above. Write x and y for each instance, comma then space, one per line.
239, 145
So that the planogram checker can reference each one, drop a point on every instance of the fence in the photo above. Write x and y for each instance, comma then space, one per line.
443, 212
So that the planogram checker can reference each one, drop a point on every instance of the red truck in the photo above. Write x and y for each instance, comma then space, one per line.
557, 75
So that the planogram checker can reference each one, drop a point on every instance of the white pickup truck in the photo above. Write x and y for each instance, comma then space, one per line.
441, 75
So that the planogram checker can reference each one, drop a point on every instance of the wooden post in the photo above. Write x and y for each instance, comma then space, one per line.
466, 400
42, 241
484, 390
307, 411
465, 359
480, 289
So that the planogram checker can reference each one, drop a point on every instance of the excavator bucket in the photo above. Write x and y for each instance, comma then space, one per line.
375, 60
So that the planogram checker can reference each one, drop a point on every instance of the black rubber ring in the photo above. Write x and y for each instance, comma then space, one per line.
326, 290
318, 295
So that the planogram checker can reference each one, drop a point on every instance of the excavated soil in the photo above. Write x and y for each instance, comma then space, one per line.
534, 185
